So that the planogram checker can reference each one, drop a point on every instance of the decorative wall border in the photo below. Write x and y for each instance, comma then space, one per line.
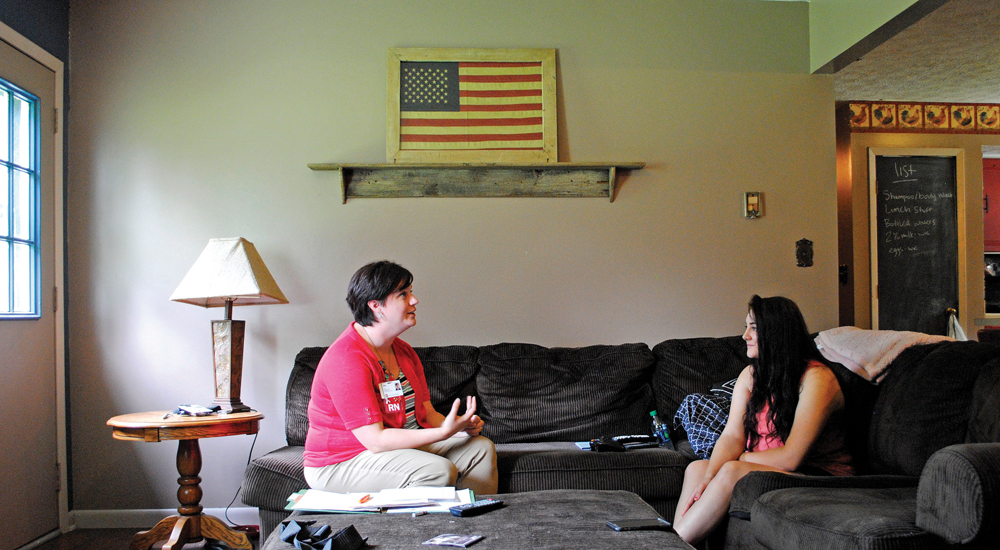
937, 118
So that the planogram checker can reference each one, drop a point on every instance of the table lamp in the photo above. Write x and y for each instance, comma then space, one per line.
228, 272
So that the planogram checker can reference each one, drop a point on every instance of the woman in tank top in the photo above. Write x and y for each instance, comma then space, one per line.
787, 416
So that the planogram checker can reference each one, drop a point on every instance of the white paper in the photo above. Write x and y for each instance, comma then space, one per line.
410, 499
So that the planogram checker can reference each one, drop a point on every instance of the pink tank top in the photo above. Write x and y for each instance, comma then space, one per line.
828, 453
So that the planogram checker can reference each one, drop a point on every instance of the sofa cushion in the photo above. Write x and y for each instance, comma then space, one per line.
530, 393
924, 404
839, 519
297, 394
984, 418
655, 474
694, 365
450, 372
269, 479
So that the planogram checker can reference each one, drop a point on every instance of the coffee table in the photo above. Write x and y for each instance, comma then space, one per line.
556, 519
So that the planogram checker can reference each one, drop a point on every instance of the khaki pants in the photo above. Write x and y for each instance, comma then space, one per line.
466, 463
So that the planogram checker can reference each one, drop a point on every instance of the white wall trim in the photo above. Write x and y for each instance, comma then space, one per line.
48, 60
145, 519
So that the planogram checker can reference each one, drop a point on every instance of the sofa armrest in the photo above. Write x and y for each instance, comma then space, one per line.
958, 497
755, 484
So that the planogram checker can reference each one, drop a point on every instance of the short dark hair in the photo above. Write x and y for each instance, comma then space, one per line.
375, 281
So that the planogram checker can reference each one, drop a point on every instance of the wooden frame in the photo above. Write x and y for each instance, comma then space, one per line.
538, 141
963, 253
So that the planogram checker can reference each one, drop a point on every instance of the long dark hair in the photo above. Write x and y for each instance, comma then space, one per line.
784, 349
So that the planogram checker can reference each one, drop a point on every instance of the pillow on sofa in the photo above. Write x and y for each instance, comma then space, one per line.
693, 365
528, 393
703, 418
297, 393
450, 372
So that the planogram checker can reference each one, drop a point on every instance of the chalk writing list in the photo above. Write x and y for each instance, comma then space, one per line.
916, 228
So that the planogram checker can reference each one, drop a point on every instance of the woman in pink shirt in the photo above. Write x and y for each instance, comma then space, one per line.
787, 415
371, 422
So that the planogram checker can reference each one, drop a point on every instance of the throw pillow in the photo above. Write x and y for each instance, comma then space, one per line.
703, 416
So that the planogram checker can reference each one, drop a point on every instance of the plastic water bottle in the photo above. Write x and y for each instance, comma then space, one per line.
661, 432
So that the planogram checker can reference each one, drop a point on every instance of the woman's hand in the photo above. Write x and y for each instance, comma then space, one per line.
468, 424
696, 494
475, 427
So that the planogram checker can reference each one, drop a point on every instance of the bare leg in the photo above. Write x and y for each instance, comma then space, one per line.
709, 510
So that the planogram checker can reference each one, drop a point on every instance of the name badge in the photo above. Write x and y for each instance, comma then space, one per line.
390, 389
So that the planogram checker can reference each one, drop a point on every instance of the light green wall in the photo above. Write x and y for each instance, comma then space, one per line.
193, 120
836, 25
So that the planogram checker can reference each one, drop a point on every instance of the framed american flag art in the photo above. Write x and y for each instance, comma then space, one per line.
471, 105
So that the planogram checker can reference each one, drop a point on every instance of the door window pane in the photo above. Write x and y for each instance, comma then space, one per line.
22, 205
4, 276
21, 132
23, 279
19, 180
5, 122
5, 205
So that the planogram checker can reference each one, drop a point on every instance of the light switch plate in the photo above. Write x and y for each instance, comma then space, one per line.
753, 205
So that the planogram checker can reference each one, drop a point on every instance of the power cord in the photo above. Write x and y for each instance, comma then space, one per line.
250, 530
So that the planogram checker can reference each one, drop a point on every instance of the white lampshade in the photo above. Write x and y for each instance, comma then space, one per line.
228, 269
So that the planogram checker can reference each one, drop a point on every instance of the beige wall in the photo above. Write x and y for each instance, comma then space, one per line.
972, 216
836, 25
193, 120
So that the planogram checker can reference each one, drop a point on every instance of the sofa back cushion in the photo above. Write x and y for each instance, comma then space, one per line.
694, 365
528, 393
984, 417
450, 372
297, 394
924, 404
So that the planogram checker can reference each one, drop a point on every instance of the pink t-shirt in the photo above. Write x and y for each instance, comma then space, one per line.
345, 395
829, 451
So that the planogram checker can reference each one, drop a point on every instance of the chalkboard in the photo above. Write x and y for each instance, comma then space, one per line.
915, 213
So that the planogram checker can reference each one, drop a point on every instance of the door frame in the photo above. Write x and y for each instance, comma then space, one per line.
49, 61
961, 219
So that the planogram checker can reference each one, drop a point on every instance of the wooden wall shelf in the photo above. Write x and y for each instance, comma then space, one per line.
554, 179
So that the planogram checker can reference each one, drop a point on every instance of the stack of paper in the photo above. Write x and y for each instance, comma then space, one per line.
409, 499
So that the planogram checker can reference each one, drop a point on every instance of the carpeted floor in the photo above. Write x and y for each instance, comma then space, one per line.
100, 539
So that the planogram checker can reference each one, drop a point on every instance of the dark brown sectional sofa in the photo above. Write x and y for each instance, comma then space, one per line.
538, 401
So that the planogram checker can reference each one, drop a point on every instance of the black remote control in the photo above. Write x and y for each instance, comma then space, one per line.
475, 508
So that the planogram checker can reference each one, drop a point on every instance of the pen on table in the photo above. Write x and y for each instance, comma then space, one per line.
420, 513
365, 499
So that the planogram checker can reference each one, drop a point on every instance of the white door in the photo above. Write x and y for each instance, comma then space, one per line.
29, 493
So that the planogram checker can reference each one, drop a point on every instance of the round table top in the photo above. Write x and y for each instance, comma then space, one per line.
162, 419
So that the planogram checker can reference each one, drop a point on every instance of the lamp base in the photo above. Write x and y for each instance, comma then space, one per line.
227, 341
230, 405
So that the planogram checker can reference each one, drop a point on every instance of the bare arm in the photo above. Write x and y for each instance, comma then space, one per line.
733, 440
377, 438
819, 397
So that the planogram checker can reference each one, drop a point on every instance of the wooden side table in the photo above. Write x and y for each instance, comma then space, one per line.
190, 525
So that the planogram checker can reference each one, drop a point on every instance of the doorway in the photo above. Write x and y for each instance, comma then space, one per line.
32, 403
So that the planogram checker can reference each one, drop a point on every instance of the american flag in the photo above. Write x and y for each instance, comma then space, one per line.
470, 105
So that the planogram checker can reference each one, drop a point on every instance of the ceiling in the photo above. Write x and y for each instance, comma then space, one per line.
951, 55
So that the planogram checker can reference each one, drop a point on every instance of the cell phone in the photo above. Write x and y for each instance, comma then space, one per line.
656, 524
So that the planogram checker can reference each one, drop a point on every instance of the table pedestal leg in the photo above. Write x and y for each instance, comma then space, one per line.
190, 525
